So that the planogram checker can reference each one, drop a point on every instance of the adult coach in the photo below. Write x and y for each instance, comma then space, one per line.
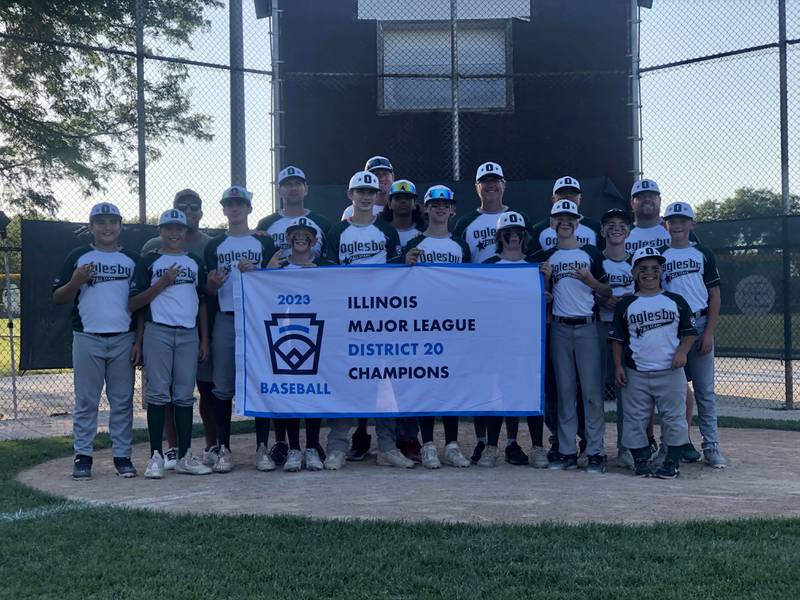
382, 168
190, 204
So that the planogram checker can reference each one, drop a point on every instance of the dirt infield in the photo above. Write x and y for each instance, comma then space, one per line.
762, 480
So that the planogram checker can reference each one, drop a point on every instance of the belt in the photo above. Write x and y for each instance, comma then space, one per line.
574, 320
112, 334
172, 326
701, 313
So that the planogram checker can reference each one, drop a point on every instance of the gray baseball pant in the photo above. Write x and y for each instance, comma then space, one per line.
700, 370
223, 357
607, 363
170, 361
98, 360
338, 437
667, 390
571, 344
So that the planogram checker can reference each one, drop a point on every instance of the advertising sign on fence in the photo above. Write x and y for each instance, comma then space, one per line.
378, 341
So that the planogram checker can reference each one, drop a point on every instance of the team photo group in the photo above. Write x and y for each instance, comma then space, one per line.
632, 304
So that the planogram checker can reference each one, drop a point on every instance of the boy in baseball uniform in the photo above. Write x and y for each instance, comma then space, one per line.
96, 279
651, 336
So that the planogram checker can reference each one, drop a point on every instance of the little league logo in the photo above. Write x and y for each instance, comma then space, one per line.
294, 341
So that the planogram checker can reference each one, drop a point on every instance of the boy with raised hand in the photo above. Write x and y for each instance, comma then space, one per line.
691, 271
436, 245
615, 226
381, 167
301, 236
512, 241
363, 239
576, 276
237, 248
190, 204
96, 279
169, 285
292, 189
651, 336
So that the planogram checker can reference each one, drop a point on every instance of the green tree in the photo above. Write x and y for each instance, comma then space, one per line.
746, 203
69, 113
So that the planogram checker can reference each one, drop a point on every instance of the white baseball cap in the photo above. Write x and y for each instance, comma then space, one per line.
647, 252
301, 223
104, 209
290, 172
489, 169
565, 207
566, 181
679, 209
237, 192
510, 219
172, 216
645, 185
363, 180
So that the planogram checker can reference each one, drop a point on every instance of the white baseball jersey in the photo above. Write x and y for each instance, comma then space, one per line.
650, 327
350, 243
690, 272
348, 212
448, 249
224, 252
571, 297
548, 239
176, 305
406, 235
478, 230
275, 225
620, 279
101, 304
641, 237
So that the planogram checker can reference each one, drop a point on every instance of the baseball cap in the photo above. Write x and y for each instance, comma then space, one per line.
510, 219
290, 172
172, 216
439, 192
489, 169
301, 223
647, 252
237, 192
187, 194
104, 209
616, 213
644, 185
403, 186
679, 209
378, 162
565, 207
363, 180
566, 181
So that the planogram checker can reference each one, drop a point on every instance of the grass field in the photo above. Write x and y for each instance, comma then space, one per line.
103, 552
759, 332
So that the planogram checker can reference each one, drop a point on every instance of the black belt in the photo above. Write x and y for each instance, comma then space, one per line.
112, 334
227, 312
575, 320
701, 313
172, 326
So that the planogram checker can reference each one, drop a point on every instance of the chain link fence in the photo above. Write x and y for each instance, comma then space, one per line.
710, 122
711, 134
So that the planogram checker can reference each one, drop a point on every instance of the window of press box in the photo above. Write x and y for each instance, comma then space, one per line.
406, 49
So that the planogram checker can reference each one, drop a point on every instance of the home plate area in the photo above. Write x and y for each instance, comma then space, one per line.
762, 479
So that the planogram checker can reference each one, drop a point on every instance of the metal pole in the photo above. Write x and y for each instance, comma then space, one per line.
7, 304
635, 89
236, 41
787, 297
456, 149
140, 118
277, 97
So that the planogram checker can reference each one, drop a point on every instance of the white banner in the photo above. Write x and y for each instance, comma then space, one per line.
378, 341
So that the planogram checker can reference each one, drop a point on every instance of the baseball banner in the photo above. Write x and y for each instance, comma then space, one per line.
390, 340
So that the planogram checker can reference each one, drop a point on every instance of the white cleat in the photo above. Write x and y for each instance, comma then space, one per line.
191, 465
264, 461
394, 458
539, 458
294, 461
335, 460
430, 457
489, 457
454, 457
155, 466
224, 462
312, 460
